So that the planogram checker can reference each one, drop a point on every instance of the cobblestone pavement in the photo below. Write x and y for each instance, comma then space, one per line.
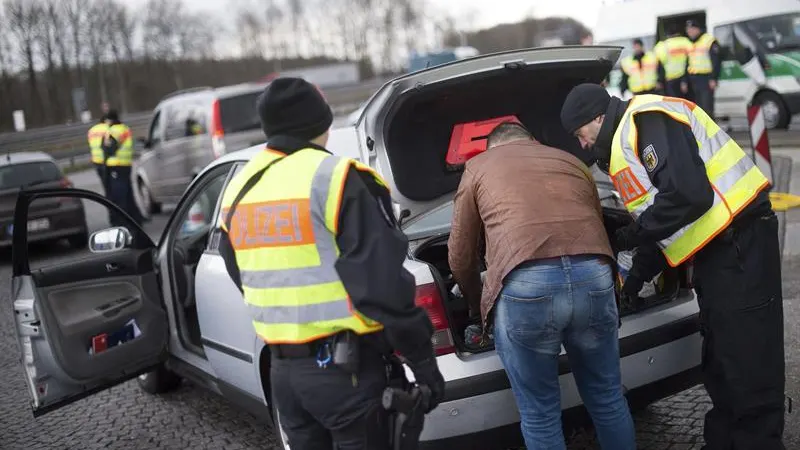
126, 418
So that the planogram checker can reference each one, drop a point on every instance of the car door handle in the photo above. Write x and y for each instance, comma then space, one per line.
112, 267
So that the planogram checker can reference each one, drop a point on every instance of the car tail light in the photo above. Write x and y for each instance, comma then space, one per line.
429, 298
66, 183
217, 131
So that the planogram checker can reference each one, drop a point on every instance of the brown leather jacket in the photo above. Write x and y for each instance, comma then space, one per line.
532, 202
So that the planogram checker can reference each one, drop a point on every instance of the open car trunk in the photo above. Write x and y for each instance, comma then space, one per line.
434, 252
409, 124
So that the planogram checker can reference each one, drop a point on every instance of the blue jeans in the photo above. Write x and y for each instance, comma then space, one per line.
567, 300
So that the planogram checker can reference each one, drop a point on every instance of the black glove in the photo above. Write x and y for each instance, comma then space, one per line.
632, 286
426, 372
624, 238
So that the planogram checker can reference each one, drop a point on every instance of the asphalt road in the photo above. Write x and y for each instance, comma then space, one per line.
126, 418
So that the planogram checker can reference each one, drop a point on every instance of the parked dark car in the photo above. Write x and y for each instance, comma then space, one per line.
49, 219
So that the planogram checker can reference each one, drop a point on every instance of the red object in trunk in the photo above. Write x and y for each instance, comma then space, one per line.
429, 298
469, 139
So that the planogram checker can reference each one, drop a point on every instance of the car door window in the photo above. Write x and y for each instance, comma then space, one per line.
186, 118
216, 227
156, 129
195, 216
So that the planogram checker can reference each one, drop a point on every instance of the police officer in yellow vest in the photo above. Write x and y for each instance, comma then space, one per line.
672, 54
703, 67
95, 137
693, 193
118, 152
639, 71
313, 245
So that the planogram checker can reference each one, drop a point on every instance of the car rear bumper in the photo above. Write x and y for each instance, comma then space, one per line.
64, 222
655, 363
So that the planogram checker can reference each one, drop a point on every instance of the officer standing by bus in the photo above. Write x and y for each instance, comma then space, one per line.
693, 192
312, 243
95, 137
673, 54
639, 71
703, 67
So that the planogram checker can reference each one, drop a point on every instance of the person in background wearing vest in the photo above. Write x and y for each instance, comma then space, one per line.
705, 63
314, 247
95, 137
639, 71
693, 192
118, 151
672, 54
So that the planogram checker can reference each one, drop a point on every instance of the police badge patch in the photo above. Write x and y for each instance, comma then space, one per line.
650, 158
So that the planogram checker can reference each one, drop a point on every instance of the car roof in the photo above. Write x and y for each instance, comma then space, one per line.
342, 142
10, 159
209, 92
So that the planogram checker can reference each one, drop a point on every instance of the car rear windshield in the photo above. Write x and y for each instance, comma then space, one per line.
28, 174
239, 113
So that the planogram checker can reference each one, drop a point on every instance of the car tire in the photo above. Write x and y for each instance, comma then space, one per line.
78, 241
158, 381
278, 430
149, 206
776, 114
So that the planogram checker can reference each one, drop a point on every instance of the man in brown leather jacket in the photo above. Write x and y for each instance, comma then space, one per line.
549, 270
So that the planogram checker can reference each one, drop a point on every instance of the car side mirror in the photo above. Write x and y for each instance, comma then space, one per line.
110, 240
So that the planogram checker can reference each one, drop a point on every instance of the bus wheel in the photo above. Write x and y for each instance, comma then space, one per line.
776, 115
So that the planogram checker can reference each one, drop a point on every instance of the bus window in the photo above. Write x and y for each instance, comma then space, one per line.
724, 36
776, 33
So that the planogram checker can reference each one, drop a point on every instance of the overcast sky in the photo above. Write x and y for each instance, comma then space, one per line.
486, 12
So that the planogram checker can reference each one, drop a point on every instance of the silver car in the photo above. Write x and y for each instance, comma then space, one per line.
189, 129
192, 322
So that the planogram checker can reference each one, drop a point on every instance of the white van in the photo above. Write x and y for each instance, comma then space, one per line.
760, 41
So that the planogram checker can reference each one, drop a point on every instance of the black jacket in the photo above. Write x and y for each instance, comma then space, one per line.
679, 174
372, 251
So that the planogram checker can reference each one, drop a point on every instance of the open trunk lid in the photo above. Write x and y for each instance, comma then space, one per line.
407, 124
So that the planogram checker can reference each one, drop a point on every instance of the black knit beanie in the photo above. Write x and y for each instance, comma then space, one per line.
583, 104
293, 107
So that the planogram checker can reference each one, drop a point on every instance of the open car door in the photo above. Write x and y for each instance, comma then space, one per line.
92, 322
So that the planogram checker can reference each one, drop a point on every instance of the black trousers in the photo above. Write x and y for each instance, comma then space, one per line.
120, 191
672, 88
702, 94
738, 283
321, 409
101, 173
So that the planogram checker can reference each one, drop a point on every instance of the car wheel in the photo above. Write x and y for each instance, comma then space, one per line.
776, 115
79, 241
276, 421
148, 205
159, 381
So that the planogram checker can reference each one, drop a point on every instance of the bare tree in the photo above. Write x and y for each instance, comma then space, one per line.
274, 15
125, 25
23, 19
250, 28
97, 31
47, 37
75, 15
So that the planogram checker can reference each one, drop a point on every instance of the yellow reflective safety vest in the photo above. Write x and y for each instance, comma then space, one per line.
673, 55
283, 233
700, 55
641, 77
95, 137
735, 179
124, 137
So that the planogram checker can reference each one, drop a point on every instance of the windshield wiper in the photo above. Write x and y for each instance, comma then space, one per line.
34, 183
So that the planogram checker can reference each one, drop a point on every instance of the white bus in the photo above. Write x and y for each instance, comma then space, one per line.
760, 42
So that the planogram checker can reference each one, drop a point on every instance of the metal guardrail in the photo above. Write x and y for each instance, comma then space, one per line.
68, 142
